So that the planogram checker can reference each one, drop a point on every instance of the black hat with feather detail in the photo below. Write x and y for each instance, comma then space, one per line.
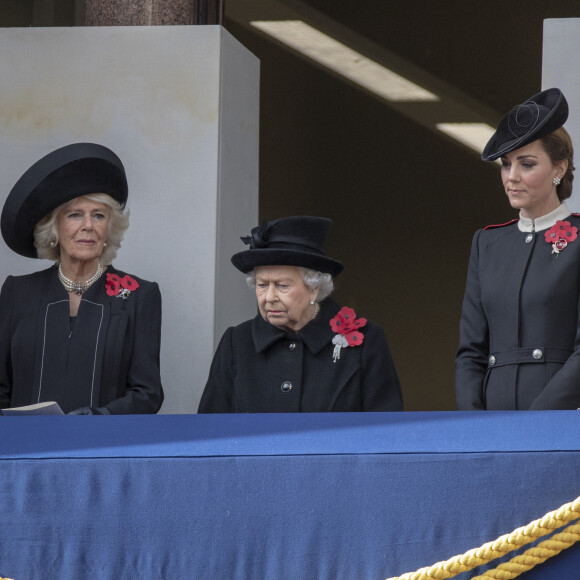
288, 241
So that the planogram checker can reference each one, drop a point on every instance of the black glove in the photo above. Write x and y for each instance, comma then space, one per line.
90, 411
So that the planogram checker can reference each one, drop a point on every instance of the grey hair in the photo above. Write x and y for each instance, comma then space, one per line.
312, 278
46, 238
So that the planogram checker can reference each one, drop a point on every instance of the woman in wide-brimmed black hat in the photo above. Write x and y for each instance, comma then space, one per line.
302, 352
520, 326
80, 333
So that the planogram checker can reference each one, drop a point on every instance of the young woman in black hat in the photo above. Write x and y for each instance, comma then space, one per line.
520, 328
302, 352
80, 333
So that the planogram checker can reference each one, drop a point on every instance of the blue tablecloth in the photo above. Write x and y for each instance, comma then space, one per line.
322, 496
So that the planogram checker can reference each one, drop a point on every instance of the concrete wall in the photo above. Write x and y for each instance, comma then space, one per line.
561, 68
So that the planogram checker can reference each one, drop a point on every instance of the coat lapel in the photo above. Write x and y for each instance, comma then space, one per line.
114, 338
52, 298
111, 335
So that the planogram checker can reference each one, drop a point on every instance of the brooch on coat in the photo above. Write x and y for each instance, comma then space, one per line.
560, 235
120, 287
346, 326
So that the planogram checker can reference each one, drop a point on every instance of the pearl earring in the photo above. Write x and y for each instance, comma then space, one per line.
556, 181
52, 244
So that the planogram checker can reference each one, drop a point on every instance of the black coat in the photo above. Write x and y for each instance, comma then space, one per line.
520, 329
259, 368
111, 354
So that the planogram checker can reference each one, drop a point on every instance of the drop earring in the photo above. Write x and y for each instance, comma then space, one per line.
316, 308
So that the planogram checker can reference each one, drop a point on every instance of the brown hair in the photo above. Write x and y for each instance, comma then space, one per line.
558, 146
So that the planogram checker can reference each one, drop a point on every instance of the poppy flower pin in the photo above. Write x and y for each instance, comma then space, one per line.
120, 287
560, 235
346, 326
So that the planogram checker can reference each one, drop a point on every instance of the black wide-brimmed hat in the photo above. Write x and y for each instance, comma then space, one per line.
59, 177
538, 116
288, 241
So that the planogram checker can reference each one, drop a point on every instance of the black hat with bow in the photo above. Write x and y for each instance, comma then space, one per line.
288, 241
59, 177
538, 116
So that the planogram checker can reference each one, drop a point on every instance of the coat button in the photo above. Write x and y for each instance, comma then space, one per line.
291, 346
286, 386
529, 238
491, 360
537, 354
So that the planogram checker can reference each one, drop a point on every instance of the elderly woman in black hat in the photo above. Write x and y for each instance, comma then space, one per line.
520, 326
302, 352
80, 333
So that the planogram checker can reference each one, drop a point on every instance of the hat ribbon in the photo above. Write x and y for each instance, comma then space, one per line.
261, 238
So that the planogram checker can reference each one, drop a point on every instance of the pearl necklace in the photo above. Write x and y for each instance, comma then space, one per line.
79, 287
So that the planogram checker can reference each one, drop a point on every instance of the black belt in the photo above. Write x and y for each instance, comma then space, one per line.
537, 355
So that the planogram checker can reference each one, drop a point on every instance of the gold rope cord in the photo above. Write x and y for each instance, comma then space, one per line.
508, 543
534, 556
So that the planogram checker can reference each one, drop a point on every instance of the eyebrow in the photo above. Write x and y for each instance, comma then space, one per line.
520, 157
275, 280
76, 208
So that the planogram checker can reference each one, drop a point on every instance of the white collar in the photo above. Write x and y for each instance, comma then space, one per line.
544, 222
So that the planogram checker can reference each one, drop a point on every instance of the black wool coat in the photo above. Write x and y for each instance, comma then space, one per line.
520, 329
109, 357
259, 368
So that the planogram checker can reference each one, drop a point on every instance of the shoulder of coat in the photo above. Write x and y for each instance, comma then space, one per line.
40, 275
495, 226
142, 282
242, 330
244, 326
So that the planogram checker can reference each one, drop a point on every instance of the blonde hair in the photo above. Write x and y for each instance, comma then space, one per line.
46, 240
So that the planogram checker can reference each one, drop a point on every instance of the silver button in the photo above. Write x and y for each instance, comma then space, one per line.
286, 386
529, 238
537, 354
291, 346
491, 360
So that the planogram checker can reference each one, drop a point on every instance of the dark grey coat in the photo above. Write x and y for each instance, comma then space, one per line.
255, 359
112, 351
519, 334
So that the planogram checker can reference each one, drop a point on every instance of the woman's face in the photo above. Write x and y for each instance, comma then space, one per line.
527, 174
283, 297
83, 226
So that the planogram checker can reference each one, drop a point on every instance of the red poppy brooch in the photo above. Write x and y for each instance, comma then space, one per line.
560, 235
120, 287
346, 326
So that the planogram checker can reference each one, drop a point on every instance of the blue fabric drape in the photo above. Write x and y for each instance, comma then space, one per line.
271, 496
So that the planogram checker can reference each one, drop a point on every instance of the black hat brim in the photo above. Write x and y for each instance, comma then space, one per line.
555, 108
59, 177
249, 259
